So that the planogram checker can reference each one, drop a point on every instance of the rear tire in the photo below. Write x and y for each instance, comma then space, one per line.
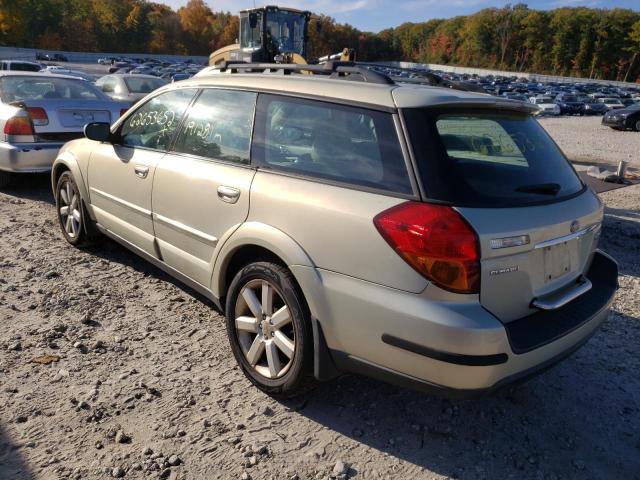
77, 227
5, 178
637, 126
269, 329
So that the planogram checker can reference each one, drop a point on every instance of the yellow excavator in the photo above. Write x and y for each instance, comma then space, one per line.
273, 34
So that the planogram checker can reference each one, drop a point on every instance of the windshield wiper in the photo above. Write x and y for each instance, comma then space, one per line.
541, 188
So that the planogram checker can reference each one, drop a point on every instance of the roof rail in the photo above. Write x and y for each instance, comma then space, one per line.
334, 69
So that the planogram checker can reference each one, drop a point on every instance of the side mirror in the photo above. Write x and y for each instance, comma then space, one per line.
253, 20
98, 131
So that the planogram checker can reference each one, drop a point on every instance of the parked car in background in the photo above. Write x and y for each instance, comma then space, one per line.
627, 118
117, 65
592, 107
468, 265
40, 112
130, 87
58, 57
546, 105
569, 104
611, 103
20, 66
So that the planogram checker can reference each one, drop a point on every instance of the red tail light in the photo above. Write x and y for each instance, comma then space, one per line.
123, 111
38, 116
19, 126
436, 241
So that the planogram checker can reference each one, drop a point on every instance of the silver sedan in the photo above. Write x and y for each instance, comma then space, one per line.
40, 112
129, 87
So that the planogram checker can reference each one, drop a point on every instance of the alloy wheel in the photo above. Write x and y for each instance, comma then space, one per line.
265, 329
69, 204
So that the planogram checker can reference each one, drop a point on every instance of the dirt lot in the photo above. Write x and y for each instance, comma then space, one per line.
587, 140
145, 385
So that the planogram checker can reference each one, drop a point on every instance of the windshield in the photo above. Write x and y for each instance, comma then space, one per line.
488, 159
13, 89
250, 37
285, 30
143, 85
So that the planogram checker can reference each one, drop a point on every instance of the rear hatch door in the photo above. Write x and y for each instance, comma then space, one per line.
553, 245
536, 221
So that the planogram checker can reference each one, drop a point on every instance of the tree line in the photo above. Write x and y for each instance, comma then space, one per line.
580, 41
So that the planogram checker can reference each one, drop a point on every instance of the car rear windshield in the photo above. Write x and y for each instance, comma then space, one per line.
15, 89
488, 159
143, 85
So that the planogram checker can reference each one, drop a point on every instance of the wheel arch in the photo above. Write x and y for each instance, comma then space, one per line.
250, 241
257, 241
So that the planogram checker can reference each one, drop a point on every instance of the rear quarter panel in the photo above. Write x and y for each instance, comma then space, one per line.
334, 226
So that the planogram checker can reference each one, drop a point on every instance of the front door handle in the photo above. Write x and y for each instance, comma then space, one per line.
228, 194
141, 171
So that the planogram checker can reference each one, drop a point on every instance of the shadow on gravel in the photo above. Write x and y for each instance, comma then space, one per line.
515, 433
112, 251
31, 186
12, 465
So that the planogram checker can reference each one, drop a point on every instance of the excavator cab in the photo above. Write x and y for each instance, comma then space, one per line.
269, 34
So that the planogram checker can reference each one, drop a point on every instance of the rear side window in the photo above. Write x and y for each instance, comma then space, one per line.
153, 124
331, 142
219, 126
481, 158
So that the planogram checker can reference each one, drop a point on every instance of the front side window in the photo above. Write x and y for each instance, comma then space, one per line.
333, 142
486, 159
219, 126
154, 124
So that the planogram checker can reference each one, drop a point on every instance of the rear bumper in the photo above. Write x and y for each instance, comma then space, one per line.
28, 157
462, 351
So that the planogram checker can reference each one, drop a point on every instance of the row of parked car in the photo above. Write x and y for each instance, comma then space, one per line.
619, 107
171, 72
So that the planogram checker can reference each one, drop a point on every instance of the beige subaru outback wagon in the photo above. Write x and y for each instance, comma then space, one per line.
425, 236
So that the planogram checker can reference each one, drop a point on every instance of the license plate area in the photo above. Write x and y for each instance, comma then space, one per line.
79, 118
557, 261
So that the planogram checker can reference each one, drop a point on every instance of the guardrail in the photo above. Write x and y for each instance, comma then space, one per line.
14, 53
485, 71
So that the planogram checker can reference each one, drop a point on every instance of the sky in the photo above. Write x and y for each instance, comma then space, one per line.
376, 15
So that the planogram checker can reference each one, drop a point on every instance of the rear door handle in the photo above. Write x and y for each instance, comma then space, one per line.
141, 171
228, 194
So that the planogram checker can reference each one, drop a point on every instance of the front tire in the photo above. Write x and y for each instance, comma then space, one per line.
637, 126
76, 225
269, 329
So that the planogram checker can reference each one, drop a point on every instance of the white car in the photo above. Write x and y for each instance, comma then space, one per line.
611, 103
546, 105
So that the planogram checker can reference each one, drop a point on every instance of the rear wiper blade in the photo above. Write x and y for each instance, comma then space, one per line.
542, 188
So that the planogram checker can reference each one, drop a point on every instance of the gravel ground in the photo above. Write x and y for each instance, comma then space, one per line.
142, 383
585, 139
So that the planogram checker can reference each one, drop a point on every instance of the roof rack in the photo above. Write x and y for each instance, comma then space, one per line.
334, 69
355, 71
